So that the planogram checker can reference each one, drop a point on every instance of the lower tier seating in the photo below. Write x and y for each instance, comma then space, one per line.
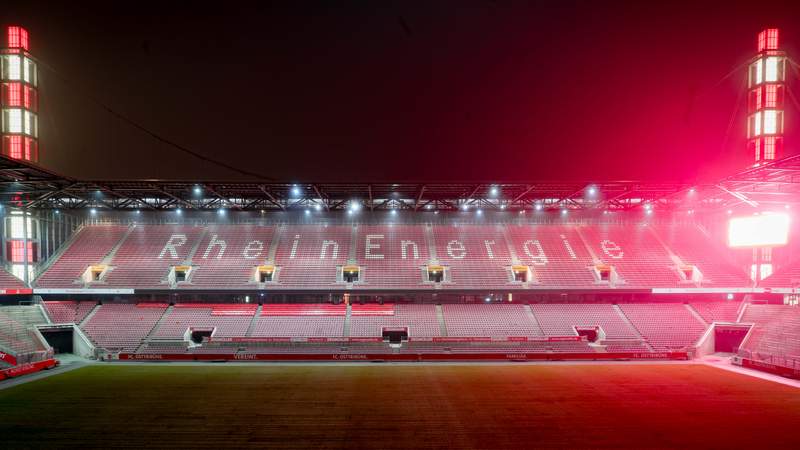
122, 326
775, 336
489, 320
16, 337
420, 320
225, 323
68, 311
668, 326
491, 327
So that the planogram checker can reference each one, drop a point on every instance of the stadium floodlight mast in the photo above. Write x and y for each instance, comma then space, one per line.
766, 90
766, 77
19, 80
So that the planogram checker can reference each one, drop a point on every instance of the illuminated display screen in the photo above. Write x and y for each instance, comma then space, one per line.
767, 230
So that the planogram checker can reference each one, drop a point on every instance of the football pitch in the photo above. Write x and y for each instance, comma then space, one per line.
400, 406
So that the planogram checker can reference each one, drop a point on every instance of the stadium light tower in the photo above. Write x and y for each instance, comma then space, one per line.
19, 98
766, 90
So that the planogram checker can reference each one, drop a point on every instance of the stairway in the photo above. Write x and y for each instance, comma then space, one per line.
254, 321
90, 315
532, 317
111, 253
440, 318
346, 330
696, 314
625, 319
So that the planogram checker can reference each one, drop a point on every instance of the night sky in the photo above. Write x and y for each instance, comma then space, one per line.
406, 91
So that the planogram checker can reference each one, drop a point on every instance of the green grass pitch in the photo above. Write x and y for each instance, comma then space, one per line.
400, 406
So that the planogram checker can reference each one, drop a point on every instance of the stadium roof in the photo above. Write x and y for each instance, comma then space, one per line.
25, 185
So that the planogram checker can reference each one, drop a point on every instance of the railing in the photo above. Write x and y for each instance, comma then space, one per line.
788, 361
32, 357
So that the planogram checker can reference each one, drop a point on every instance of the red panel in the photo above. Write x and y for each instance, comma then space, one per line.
772, 39
12, 94
304, 310
759, 99
372, 310
12, 146
9, 358
30, 149
25, 369
13, 37
30, 98
18, 37
773, 96
768, 39
513, 356
16, 251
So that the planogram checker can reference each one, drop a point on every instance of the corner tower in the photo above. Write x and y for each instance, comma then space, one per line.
19, 97
765, 98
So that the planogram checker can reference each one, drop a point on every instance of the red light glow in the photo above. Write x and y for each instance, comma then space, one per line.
12, 94
18, 38
768, 39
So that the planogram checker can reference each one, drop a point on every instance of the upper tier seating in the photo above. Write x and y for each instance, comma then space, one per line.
395, 257
228, 320
420, 320
476, 255
497, 321
144, 259
561, 319
90, 246
635, 253
692, 246
308, 255
555, 254
68, 311
122, 326
667, 326
228, 254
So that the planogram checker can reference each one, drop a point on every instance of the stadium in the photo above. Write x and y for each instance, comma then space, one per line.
243, 313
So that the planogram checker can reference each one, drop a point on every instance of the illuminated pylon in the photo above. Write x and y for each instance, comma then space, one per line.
766, 90
19, 97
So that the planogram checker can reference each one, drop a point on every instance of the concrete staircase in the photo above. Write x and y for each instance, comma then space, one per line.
440, 318
254, 321
625, 319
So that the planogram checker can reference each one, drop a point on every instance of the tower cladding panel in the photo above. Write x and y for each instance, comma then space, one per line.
766, 91
19, 97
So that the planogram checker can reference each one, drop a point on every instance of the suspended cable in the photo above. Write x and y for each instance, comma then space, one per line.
147, 131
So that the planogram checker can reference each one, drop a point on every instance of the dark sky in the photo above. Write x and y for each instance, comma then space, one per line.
369, 91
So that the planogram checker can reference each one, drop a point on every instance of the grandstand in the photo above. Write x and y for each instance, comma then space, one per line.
427, 285
270, 270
